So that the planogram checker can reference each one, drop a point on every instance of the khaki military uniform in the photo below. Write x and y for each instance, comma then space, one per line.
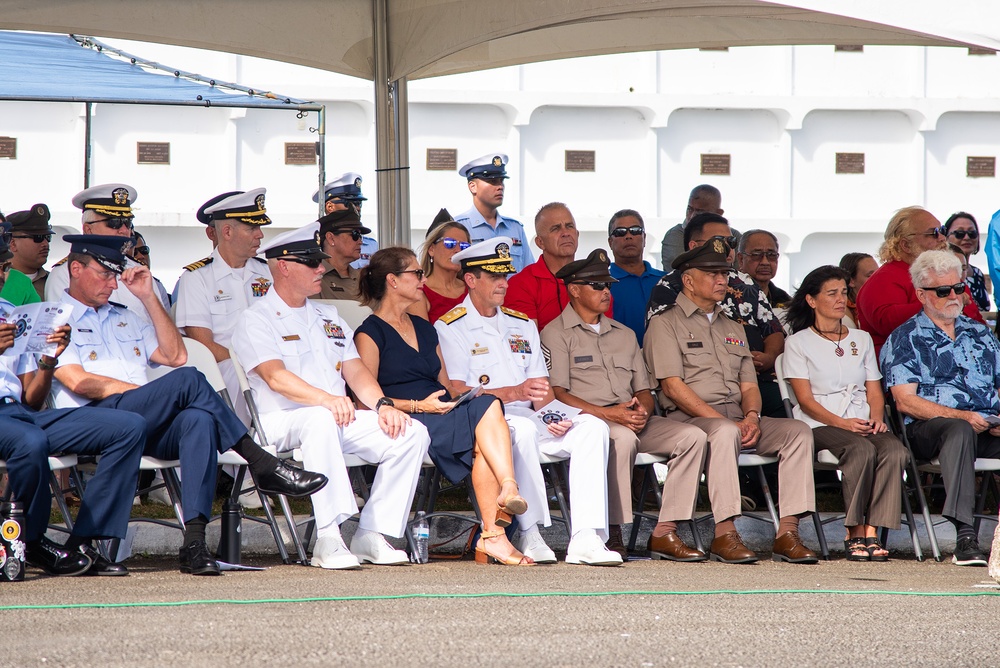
713, 358
606, 368
335, 286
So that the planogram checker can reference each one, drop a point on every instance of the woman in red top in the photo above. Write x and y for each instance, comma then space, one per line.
443, 289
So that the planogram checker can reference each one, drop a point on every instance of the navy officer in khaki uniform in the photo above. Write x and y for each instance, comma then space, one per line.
300, 357
341, 233
105, 366
344, 192
705, 369
484, 343
30, 235
596, 365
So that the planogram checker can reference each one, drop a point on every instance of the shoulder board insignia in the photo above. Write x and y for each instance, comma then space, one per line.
61, 262
515, 314
453, 315
260, 259
204, 262
117, 305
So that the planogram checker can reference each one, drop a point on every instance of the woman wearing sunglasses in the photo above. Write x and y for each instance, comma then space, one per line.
962, 230
443, 290
402, 352
835, 377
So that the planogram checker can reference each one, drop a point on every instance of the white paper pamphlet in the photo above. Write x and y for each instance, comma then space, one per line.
33, 325
554, 411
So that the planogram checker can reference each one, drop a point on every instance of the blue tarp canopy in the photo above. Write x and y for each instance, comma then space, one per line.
58, 68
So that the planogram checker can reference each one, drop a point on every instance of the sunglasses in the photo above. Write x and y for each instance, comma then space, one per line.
116, 223
37, 238
310, 262
945, 290
961, 234
635, 231
141, 250
757, 256
936, 232
355, 234
419, 273
595, 285
730, 241
450, 243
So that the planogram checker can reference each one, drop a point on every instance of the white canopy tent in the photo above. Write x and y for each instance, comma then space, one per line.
392, 41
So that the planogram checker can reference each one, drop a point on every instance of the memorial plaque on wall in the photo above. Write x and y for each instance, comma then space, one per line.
850, 163
8, 148
717, 164
152, 152
300, 153
981, 166
852, 48
981, 51
442, 159
581, 161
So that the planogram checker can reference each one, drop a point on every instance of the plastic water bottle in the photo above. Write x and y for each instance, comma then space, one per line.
11, 543
421, 537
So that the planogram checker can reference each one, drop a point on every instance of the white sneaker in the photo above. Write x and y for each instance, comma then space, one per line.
331, 553
372, 547
531, 544
589, 549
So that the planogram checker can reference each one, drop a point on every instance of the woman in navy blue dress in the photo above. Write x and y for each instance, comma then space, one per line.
402, 352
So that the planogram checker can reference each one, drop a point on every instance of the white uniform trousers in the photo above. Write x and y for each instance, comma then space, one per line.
324, 444
586, 445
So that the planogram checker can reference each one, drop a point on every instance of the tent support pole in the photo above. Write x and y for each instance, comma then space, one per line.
391, 140
321, 157
87, 148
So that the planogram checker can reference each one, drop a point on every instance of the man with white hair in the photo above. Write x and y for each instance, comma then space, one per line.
943, 370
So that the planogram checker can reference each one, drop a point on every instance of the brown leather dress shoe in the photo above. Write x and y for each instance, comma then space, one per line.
788, 547
729, 549
615, 542
673, 548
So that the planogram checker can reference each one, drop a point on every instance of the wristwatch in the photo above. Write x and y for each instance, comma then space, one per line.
384, 401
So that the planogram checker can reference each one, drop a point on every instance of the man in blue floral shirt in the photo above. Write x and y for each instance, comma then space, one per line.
943, 370
744, 303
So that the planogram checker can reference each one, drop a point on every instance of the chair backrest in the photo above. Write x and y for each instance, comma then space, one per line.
241, 376
352, 312
787, 393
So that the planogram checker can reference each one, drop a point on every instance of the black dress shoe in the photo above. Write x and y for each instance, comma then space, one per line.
197, 560
55, 559
100, 565
288, 480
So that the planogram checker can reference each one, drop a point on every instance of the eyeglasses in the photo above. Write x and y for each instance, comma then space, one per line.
419, 273
450, 243
595, 285
945, 290
635, 231
355, 234
936, 232
141, 250
105, 274
961, 234
37, 238
757, 256
310, 262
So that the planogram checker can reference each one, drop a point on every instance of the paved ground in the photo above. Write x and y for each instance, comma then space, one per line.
643, 614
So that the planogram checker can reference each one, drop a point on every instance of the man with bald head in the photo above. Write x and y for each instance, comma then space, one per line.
888, 299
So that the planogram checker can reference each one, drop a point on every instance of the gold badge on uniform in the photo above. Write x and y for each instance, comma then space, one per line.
602, 257
137, 353
719, 247
339, 364
92, 356
484, 379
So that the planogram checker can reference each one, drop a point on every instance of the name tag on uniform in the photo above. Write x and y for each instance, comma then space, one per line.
695, 344
223, 298
88, 331
480, 351
583, 358
290, 337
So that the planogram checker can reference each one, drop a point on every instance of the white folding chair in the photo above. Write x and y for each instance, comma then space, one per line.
827, 461
353, 313
57, 463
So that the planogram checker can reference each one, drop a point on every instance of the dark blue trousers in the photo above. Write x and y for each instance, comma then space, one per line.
188, 421
28, 437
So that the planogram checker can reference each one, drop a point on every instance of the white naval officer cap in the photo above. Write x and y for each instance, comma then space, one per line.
492, 255
114, 200
303, 242
346, 187
489, 166
245, 207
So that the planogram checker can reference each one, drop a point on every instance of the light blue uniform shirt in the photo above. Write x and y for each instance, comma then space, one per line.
480, 230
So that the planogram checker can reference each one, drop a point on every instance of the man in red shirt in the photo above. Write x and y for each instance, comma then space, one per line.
888, 299
535, 291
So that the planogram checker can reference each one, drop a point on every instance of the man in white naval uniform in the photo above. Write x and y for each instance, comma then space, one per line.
213, 292
107, 211
485, 176
298, 356
484, 343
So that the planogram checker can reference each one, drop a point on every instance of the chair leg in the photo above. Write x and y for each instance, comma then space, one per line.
911, 524
821, 536
637, 515
767, 496
556, 480
174, 493
300, 549
926, 512
57, 492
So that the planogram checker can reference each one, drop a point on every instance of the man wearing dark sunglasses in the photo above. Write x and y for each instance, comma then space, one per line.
636, 277
486, 176
107, 211
344, 192
943, 372
29, 244
888, 298
342, 233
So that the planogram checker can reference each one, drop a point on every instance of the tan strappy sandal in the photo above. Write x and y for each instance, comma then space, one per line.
484, 556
